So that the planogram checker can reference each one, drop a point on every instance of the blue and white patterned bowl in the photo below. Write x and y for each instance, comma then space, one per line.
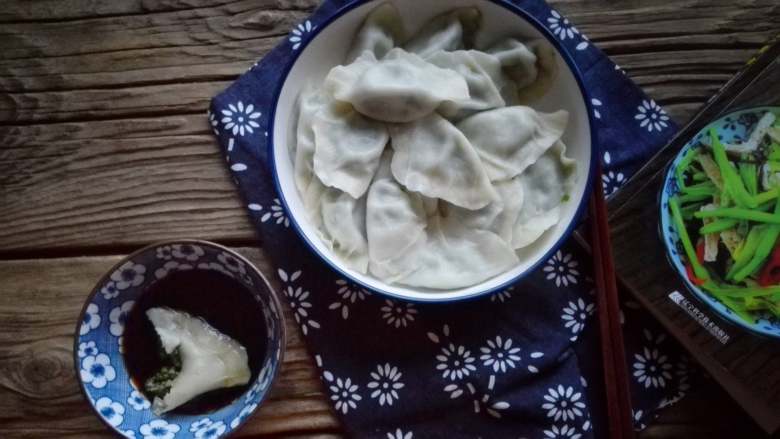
98, 346
730, 128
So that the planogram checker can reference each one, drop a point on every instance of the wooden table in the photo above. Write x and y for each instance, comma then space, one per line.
104, 147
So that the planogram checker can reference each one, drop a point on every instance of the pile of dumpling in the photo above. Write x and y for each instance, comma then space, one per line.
415, 160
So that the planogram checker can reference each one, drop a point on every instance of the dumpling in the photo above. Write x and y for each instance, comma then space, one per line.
435, 159
456, 256
451, 31
509, 140
310, 102
517, 60
402, 87
395, 223
498, 217
347, 148
547, 68
210, 360
483, 75
344, 228
381, 31
547, 184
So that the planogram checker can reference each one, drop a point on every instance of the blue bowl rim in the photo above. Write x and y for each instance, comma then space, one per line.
595, 155
105, 277
702, 296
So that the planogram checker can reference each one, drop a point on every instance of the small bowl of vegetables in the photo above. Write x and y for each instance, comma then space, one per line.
720, 217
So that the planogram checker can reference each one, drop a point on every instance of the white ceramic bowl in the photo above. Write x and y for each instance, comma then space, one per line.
327, 47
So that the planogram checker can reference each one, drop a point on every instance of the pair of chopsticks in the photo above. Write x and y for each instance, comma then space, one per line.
612, 348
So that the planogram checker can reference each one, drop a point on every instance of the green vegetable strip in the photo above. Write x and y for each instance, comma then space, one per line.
765, 246
748, 172
683, 199
700, 191
744, 292
683, 166
745, 254
769, 195
738, 213
718, 226
698, 269
764, 249
731, 179
699, 176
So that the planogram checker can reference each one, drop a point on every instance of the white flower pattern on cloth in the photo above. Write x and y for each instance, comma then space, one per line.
169, 267
109, 290
502, 296
118, 317
239, 119
596, 103
651, 116
242, 414
138, 401
276, 214
97, 370
188, 252
91, 319
562, 269
563, 403
128, 275
348, 293
213, 122
455, 362
110, 411
297, 298
612, 180
561, 26
299, 32
386, 384
399, 434
562, 432
575, 315
652, 368
344, 393
159, 429
87, 348
398, 314
499, 354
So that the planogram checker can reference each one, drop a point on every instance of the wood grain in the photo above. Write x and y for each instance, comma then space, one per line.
38, 388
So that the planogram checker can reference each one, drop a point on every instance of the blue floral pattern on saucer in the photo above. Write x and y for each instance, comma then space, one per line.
733, 127
98, 346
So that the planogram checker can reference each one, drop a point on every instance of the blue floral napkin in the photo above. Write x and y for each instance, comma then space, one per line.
524, 362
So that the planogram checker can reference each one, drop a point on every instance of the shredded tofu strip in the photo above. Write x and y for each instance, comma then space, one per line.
711, 169
710, 239
754, 141
732, 240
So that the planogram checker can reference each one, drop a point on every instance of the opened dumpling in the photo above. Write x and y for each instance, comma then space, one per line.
547, 184
483, 75
511, 139
435, 159
381, 31
451, 31
402, 87
347, 148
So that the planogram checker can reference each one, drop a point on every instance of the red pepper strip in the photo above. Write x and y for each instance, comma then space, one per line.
770, 274
700, 256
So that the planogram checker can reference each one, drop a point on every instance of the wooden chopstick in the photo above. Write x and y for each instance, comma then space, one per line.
612, 347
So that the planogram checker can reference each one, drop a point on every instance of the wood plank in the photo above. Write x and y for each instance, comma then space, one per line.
38, 388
